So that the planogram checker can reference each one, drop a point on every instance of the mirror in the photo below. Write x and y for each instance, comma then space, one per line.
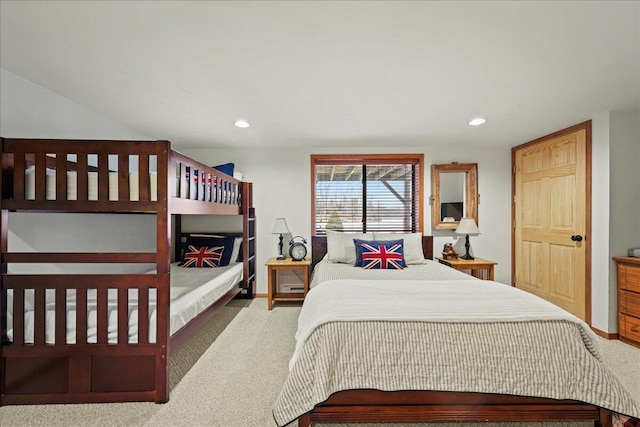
454, 194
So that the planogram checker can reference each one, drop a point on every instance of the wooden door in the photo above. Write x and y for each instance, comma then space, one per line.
551, 214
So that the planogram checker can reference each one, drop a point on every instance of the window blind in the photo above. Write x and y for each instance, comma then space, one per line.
366, 196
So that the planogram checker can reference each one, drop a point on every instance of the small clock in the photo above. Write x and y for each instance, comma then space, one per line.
298, 250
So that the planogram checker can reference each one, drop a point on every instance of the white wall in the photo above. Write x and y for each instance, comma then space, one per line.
31, 111
57, 232
624, 204
600, 264
625, 183
615, 207
282, 188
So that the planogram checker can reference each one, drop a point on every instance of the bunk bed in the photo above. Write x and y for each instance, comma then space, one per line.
78, 338
388, 350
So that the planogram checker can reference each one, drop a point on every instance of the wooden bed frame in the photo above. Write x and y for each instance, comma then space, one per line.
442, 406
102, 371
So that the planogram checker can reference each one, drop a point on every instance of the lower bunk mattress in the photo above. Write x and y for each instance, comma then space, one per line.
192, 291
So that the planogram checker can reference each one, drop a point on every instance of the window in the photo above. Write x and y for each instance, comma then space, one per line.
363, 193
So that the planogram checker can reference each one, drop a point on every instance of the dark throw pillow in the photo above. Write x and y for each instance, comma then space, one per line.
358, 242
202, 256
382, 256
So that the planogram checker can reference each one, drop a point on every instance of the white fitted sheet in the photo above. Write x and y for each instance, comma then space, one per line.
192, 291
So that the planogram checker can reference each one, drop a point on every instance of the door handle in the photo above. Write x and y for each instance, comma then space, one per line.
576, 238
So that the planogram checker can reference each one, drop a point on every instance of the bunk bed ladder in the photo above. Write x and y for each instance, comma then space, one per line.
249, 239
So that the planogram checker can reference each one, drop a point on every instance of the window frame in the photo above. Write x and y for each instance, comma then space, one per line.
370, 159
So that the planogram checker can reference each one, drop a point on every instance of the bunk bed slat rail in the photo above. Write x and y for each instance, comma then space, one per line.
70, 292
80, 257
197, 181
40, 173
65, 175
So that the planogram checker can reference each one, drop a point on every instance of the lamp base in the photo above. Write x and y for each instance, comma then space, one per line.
467, 255
280, 256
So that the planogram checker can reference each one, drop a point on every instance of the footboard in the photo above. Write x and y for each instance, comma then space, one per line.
83, 338
370, 406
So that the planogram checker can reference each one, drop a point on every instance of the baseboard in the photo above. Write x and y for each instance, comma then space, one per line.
260, 296
606, 335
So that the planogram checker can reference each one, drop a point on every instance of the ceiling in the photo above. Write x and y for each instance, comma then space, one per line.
331, 73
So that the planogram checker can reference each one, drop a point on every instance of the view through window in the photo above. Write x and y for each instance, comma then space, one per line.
367, 193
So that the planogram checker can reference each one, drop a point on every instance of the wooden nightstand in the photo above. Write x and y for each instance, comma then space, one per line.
273, 265
480, 268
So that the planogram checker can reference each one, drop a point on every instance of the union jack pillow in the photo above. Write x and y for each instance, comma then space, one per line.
382, 256
202, 256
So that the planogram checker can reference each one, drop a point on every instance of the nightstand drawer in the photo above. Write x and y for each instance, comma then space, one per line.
630, 328
629, 303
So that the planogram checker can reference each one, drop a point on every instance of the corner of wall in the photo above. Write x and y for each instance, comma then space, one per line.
601, 264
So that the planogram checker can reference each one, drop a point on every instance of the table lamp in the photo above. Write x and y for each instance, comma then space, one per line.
467, 226
280, 227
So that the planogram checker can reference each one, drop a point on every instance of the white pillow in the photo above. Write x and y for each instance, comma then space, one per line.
412, 245
235, 252
340, 246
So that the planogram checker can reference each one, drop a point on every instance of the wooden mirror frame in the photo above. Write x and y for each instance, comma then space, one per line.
471, 194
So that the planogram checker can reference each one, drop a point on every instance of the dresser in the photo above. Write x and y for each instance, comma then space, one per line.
629, 299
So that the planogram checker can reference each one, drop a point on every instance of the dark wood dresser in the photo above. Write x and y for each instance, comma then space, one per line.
629, 299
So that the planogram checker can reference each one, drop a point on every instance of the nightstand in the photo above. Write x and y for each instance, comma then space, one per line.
480, 268
273, 265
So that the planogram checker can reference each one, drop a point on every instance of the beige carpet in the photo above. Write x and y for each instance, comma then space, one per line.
230, 373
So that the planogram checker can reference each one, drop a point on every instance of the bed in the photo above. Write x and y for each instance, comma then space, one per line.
106, 334
439, 349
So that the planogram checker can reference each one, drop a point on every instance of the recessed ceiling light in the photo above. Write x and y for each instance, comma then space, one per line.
241, 123
477, 121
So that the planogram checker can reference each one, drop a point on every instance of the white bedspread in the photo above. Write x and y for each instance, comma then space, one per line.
460, 301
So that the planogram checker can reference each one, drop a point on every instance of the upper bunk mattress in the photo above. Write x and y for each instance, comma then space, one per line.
92, 185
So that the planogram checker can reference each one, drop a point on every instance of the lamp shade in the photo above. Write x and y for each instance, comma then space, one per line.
467, 226
280, 227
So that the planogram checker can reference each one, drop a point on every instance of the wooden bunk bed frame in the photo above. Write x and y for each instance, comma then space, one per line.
105, 372
368, 405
